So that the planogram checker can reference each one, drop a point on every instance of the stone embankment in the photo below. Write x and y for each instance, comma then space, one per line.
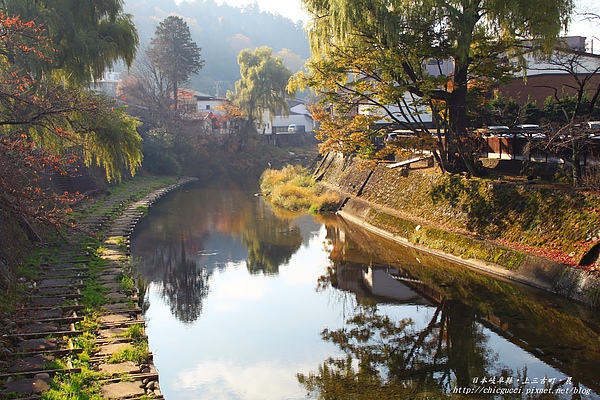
83, 329
376, 198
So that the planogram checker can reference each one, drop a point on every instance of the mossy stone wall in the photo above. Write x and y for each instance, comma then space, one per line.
478, 219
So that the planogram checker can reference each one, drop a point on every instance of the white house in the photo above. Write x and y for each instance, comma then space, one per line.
412, 111
194, 103
557, 74
205, 109
299, 115
539, 79
108, 84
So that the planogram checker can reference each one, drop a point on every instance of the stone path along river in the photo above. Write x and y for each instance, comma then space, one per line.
47, 329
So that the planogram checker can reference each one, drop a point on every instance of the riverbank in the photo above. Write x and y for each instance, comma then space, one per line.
534, 235
79, 329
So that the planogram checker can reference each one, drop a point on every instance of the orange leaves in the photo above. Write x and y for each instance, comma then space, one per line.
345, 134
20, 39
23, 168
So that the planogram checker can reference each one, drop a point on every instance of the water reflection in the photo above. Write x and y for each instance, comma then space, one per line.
404, 358
270, 241
185, 241
249, 304
184, 284
451, 352
387, 359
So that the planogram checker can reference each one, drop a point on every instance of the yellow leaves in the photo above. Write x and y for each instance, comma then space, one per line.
342, 134
298, 82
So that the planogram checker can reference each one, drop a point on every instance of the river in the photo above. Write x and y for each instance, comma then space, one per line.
245, 302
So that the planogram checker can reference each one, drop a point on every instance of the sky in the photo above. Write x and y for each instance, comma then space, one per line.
287, 8
292, 9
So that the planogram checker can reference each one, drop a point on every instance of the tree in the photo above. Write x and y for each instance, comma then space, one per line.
174, 53
47, 127
387, 359
568, 116
499, 110
89, 37
262, 88
584, 83
148, 89
391, 41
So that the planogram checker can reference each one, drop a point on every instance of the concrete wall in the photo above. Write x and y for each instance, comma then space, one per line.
374, 194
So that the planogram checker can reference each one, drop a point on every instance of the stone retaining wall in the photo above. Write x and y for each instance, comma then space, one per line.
372, 198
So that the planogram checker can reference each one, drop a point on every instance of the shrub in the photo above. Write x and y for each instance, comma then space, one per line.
325, 202
293, 188
292, 197
272, 178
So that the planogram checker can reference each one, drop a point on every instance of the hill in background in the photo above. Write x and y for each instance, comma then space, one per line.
222, 31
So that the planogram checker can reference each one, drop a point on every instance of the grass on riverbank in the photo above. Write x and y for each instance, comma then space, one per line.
129, 191
293, 188
85, 250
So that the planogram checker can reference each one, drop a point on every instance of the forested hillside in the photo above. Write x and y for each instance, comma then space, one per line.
222, 31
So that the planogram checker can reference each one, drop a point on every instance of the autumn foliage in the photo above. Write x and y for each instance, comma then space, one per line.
48, 128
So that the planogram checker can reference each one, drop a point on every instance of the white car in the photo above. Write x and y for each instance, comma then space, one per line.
498, 128
594, 124
528, 127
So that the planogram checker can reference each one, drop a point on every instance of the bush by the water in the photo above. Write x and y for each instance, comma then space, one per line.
293, 188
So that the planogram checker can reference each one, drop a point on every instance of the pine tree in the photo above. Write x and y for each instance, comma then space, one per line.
174, 52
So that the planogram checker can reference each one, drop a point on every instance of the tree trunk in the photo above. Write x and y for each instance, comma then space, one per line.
175, 96
460, 151
576, 171
463, 356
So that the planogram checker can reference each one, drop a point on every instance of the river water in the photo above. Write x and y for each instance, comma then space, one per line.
245, 302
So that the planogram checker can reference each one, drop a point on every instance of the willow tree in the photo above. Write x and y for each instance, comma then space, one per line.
88, 36
398, 36
46, 127
262, 87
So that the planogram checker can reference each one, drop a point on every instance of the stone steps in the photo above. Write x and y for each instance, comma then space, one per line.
42, 335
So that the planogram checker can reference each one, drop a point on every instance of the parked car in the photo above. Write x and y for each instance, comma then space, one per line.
495, 130
498, 128
531, 131
292, 128
391, 137
398, 134
594, 124
528, 127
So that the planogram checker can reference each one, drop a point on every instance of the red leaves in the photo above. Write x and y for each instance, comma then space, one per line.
547, 253
26, 184
20, 39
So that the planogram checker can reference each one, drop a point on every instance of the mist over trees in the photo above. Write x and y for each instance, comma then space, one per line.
222, 31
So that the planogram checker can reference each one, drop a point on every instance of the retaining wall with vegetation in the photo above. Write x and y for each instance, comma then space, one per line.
531, 233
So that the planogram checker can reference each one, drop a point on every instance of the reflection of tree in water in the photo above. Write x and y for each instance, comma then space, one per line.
270, 241
184, 285
210, 229
396, 360
560, 334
